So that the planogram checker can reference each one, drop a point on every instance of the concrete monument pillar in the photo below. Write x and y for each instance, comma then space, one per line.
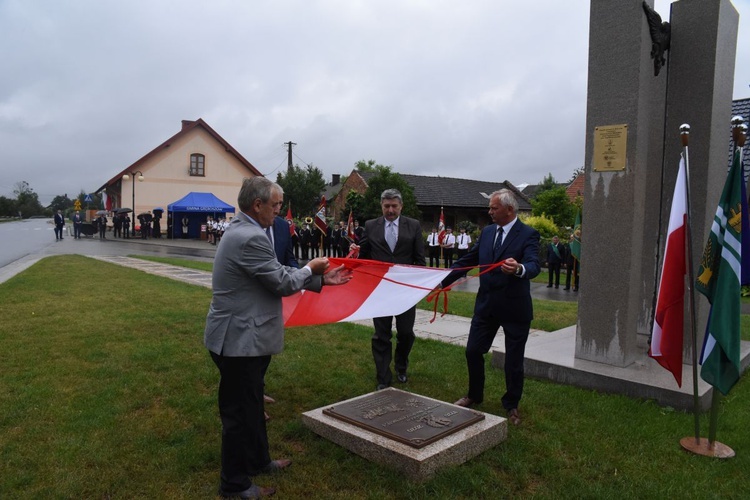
632, 152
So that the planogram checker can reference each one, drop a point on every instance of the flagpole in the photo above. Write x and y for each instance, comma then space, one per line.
701, 446
685, 138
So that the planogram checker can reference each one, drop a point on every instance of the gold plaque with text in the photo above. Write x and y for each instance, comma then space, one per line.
610, 148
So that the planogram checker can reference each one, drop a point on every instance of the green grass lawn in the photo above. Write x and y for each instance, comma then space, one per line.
106, 391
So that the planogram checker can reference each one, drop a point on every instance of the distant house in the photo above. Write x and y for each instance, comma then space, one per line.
741, 107
575, 188
195, 159
459, 199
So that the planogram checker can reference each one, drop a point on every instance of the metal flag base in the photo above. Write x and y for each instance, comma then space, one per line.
704, 447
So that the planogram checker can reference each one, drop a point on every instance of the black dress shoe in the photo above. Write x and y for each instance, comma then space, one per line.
514, 416
566, 288
549, 286
465, 401
253, 491
273, 467
380, 387
401, 377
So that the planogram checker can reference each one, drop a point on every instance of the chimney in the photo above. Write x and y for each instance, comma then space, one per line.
336, 178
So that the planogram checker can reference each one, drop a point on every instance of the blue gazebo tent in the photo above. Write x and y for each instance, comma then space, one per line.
196, 207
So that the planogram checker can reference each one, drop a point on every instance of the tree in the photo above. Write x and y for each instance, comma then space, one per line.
548, 184
27, 201
8, 207
545, 225
355, 203
61, 203
302, 189
384, 179
555, 204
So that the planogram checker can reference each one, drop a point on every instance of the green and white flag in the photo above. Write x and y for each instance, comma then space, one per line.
719, 280
575, 245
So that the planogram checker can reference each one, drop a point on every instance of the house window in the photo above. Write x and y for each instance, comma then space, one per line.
197, 165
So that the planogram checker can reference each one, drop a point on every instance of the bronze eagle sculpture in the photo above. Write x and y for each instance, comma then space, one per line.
661, 33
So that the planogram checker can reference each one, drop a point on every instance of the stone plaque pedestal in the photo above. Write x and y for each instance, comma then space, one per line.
416, 463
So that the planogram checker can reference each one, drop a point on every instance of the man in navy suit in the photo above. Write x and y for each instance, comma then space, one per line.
282, 243
503, 299
59, 225
398, 239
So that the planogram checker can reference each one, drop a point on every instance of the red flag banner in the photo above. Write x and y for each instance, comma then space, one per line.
666, 337
290, 220
441, 227
350, 227
376, 289
320, 216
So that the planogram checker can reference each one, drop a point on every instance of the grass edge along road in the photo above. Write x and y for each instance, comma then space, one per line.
107, 391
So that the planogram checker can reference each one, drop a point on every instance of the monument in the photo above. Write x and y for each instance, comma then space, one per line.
645, 80
413, 434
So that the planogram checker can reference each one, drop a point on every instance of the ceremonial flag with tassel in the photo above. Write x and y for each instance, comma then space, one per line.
320, 216
441, 227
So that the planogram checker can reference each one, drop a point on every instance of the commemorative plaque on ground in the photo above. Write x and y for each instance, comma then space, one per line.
415, 435
408, 418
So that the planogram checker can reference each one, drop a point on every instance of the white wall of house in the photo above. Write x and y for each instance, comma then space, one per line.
166, 176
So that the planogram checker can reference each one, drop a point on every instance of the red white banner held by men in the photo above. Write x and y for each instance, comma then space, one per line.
376, 289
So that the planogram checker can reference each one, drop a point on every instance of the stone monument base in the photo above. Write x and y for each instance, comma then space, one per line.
416, 463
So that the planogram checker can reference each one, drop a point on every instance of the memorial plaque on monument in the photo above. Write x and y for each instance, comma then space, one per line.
610, 148
405, 417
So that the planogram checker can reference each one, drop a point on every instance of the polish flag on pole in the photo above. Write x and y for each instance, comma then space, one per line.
376, 289
666, 337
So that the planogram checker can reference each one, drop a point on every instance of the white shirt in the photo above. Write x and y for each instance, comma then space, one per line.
433, 239
449, 241
464, 240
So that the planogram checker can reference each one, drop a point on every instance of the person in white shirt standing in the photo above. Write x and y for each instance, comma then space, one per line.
463, 242
433, 248
449, 242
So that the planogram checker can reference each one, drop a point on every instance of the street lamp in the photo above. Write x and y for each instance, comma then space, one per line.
140, 179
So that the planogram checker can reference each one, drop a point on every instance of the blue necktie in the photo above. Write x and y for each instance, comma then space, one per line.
268, 233
498, 242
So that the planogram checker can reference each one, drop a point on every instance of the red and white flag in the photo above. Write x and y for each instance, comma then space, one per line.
350, 228
441, 227
376, 289
320, 216
666, 338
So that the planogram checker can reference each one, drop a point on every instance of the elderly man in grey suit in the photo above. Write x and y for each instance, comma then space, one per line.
398, 239
245, 327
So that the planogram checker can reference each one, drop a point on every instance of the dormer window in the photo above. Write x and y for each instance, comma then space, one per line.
197, 165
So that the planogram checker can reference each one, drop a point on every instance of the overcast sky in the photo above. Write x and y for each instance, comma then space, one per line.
478, 89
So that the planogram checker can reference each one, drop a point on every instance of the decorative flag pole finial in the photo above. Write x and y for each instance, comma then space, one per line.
685, 134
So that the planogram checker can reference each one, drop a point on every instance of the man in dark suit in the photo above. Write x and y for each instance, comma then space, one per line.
555, 257
77, 223
245, 327
503, 299
282, 243
59, 225
398, 239
572, 265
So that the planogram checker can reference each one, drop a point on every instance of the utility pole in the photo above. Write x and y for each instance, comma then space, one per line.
289, 151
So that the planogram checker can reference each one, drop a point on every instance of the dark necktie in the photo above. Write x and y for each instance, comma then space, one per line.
498, 242
268, 233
